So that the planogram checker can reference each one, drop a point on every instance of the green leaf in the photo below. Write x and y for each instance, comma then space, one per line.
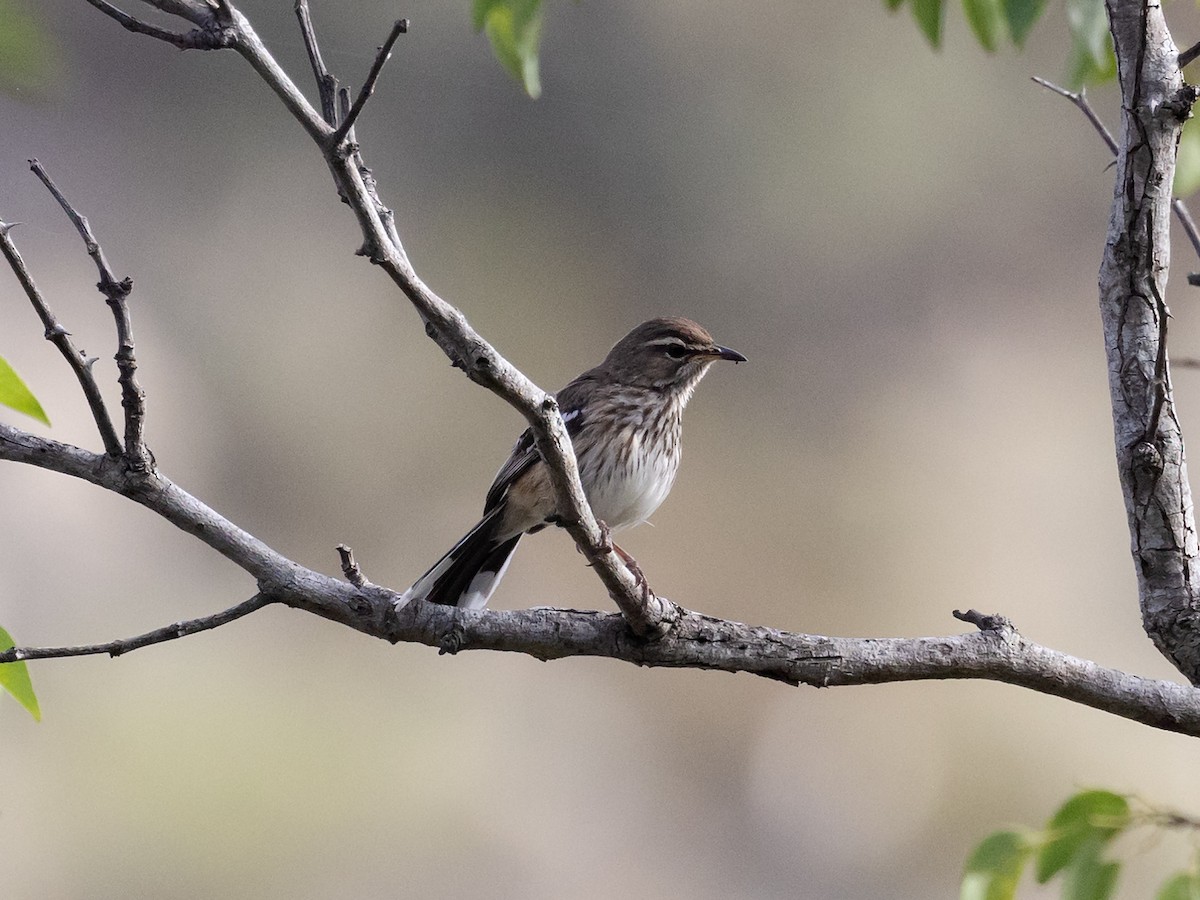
986, 20
1183, 886
1081, 827
1089, 877
1082, 69
30, 60
892, 5
994, 867
515, 29
1088, 23
1090, 59
14, 678
928, 14
14, 394
1187, 160
1021, 16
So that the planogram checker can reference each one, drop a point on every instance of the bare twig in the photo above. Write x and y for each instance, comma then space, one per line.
116, 293
327, 85
1189, 225
157, 636
350, 568
385, 52
986, 622
1188, 56
80, 364
195, 39
1081, 102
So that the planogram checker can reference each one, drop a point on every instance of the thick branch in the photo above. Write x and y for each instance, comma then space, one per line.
1133, 282
997, 652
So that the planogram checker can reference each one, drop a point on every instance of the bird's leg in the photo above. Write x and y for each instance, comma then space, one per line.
606, 545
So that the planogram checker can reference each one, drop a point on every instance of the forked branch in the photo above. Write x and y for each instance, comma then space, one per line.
996, 651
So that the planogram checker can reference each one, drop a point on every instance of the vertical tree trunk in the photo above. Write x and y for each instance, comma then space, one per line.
1133, 281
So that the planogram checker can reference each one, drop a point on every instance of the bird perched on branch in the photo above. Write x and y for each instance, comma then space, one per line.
624, 418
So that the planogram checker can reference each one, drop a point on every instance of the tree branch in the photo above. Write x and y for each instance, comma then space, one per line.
449, 328
997, 651
196, 39
159, 635
1133, 283
1081, 102
385, 52
116, 293
56, 334
327, 85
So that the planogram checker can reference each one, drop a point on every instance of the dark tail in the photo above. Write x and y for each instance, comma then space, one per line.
469, 573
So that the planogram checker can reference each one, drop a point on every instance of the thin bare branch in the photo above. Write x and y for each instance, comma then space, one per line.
385, 52
350, 567
327, 85
199, 12
1189, 225
80, 364
195, 39
116, 293
157, 636
1188, 56
1081, 102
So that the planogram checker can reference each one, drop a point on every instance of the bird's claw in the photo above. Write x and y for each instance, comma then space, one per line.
606, 544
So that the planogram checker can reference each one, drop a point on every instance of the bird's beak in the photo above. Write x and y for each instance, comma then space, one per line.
726, 353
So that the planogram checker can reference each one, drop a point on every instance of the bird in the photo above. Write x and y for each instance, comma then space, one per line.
624, 418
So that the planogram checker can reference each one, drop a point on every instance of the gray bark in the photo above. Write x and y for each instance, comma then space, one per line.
1133, 284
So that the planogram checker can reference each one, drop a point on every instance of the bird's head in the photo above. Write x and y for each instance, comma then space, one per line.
670, 354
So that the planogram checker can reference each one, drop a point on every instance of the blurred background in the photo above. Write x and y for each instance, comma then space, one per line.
904, 243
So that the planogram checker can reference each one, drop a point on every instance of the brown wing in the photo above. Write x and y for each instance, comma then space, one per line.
571, 403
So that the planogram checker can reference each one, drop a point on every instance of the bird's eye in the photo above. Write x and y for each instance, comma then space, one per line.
676, 351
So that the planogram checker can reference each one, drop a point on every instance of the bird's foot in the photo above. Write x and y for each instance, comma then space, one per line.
606, 543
